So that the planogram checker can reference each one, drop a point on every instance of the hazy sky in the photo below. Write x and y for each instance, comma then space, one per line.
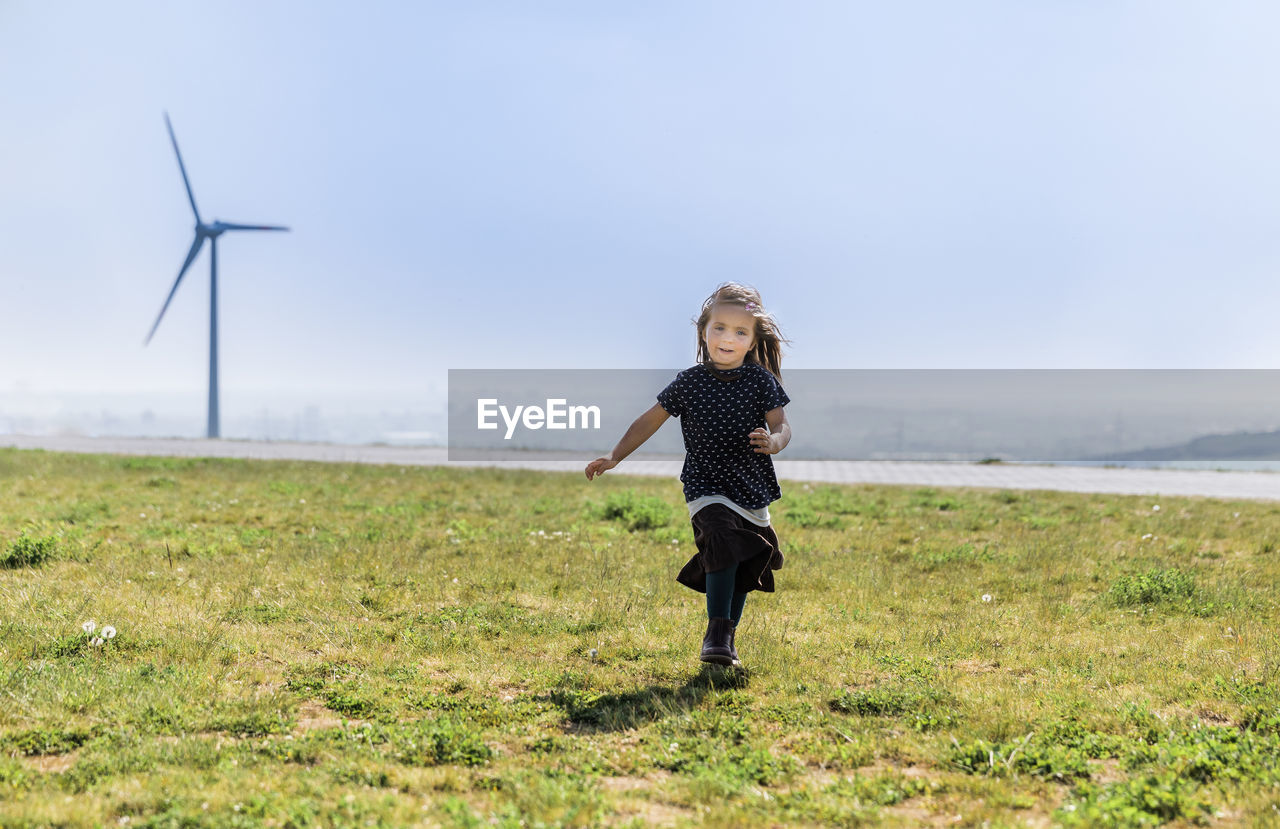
558, 185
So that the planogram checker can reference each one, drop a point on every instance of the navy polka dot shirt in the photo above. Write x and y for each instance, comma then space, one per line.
717, 411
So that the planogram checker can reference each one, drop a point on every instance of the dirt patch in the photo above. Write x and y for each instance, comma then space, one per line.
438, 672
1109, 771
816, 779
861, 680
975, 666
889, 767
313, 716
653, 813
910, 814
644, 802
631, 784
52, 763
1205, 715
920, 816
623, 784
1214, 717
220, 736
821, 778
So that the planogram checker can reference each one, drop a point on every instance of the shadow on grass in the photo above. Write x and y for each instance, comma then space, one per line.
590, 711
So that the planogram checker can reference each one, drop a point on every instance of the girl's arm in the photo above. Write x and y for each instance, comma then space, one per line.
777, 437
640, 431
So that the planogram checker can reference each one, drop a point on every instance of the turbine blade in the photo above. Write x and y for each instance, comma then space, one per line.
191, 255
230, 226
183, 168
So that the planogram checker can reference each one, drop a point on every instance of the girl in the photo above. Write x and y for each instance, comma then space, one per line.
725, 403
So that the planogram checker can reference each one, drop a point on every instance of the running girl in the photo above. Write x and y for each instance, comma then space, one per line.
732, 419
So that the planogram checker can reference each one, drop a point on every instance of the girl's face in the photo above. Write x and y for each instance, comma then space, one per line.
730, 335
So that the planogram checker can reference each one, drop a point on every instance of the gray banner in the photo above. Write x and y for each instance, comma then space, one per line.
1098, 416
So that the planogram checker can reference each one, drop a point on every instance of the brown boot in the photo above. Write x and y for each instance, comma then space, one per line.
715, 643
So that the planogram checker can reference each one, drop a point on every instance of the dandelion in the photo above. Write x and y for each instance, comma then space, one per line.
300, 501
594, 653
1235, 515
986, 597
88, 626
97, 642
455, 581
673, 747
1147, 537
1155, 508
108, 632
142, 515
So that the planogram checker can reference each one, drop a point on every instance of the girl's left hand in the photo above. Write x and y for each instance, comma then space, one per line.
763, 442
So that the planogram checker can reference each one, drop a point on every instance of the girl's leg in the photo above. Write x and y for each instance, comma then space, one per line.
717, 644
735, 615
720, 593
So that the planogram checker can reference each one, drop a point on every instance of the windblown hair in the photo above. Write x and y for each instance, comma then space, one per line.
767, 350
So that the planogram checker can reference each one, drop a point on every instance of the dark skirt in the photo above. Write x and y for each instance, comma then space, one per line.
725, 538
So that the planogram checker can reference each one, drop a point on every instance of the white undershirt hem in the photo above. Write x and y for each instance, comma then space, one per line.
759, 517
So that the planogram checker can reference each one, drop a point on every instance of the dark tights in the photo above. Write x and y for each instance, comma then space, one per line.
722, 601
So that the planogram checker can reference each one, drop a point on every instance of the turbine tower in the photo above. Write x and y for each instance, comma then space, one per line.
211, 232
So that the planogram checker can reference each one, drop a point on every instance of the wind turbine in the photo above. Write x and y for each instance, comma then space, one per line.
211, 232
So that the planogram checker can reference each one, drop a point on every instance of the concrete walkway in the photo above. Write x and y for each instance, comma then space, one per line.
1227, 485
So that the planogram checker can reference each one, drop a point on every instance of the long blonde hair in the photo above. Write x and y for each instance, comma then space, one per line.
767, 350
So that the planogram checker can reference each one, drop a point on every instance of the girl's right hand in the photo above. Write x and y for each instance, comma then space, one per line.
599, 465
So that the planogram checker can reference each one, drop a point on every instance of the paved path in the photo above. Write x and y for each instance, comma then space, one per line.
1252, 485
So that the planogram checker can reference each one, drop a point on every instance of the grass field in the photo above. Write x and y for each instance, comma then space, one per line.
305, 644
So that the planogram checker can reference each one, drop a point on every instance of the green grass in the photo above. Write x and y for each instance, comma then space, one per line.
339, 645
